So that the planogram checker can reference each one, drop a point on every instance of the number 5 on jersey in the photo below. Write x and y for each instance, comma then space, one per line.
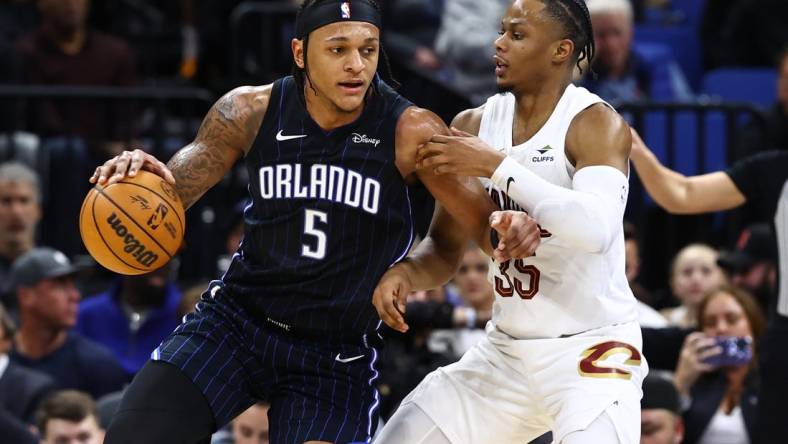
311, 218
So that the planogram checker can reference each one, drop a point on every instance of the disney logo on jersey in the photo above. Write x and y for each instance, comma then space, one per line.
545, 155
362, 138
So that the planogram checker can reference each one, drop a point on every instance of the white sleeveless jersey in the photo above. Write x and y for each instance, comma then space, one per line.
560, 291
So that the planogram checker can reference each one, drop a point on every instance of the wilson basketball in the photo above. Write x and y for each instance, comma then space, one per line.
133, 226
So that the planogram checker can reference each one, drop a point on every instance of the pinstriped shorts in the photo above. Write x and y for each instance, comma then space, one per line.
317, 391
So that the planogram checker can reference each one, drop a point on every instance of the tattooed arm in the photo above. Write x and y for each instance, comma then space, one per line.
226, 135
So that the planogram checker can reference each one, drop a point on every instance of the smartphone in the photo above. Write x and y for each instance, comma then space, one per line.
736, 352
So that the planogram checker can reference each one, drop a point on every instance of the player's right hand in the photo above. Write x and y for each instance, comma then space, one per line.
128, 163
697, 348
518, 235
390, 297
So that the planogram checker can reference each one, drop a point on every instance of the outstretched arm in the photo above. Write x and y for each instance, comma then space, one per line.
226, 134
679, 194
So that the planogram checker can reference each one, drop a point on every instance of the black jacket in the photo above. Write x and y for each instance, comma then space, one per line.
22, 389
707, 394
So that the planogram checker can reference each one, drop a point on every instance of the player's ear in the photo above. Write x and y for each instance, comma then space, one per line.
298, 52
563, 50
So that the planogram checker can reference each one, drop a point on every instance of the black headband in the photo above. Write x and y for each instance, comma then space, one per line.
333, 11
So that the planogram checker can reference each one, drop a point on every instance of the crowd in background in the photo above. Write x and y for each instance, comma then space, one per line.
72, 335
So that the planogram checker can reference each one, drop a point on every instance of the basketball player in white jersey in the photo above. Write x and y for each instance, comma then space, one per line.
563, 349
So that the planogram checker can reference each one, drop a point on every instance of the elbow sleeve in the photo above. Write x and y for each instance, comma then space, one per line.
587, 217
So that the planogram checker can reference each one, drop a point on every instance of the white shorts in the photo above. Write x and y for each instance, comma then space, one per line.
514, 390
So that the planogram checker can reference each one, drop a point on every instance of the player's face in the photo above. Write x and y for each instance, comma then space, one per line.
342, 60
471, 279
19, 212
659, 426
723, 316
60, 431
56, 301
613, 38
527, 45
695, 273
251, 426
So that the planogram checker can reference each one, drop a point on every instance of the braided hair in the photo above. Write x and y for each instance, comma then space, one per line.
302, 74
573, 15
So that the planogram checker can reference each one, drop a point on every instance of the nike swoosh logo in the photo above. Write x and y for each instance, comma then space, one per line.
281, 137
346, 360
509, 182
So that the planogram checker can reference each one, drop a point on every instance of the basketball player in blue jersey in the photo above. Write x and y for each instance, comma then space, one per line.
331, 157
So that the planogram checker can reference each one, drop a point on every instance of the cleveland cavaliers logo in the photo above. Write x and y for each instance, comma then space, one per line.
345, 10
591, 364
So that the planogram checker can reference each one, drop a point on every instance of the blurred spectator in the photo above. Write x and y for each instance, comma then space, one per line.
133, 316
407, 359
411, 27
20, 211
743, 32
752, 266
477, 297
43, 279
21, 389
64, 51
625, 72
720, 400
250, 427
774, 135
694, 273
465, 43
660, 412
632, 262
69, 416
647, 315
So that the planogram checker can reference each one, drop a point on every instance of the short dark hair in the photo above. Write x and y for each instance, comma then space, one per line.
574, 18
301, 74
68, 405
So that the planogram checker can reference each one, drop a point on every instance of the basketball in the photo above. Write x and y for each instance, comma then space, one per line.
133, 226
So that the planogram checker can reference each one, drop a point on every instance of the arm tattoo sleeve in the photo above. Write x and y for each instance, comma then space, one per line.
225, 135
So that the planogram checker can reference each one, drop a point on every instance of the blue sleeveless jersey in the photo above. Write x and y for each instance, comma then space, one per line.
329, 214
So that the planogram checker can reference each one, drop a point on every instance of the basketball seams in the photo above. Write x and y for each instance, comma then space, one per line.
160, 197
106, 244
123, 210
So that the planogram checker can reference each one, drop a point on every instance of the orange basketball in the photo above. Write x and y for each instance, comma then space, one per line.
133, 226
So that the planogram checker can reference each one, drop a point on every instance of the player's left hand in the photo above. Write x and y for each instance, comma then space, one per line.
390, 297
461, 153
518, 235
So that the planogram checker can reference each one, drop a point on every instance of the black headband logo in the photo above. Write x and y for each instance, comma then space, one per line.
333, 11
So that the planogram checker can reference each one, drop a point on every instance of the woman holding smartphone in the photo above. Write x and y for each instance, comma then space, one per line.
715, 375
